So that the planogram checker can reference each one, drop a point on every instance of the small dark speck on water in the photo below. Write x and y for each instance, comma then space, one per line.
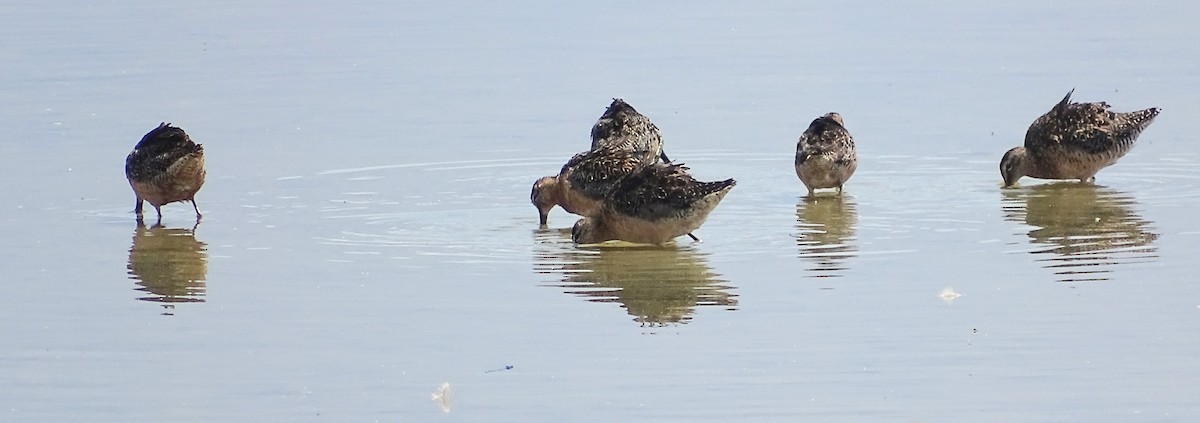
508, 367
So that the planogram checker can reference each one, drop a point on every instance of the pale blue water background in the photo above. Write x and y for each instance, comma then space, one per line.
367, 233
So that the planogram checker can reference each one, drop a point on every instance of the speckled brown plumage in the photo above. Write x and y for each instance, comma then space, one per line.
825, 154
1074, 141
583, 181
621, 127
621, 139
653, 205
165, 167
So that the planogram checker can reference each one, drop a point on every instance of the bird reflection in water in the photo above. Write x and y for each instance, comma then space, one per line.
169, 265
1087, 230
656, 285
825, 230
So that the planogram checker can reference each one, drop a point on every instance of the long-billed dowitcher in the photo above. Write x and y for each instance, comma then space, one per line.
1074, 141
825, 155
582, 183
653, 205
165, 167
621, 127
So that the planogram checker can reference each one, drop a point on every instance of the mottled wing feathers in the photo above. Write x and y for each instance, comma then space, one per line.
163, 135
1087, 127
596, 172
825, 136
158, 151
612, 124
142, 165
660, 191
621, 127
619, 108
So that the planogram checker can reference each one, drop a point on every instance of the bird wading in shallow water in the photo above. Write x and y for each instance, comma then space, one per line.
620, 129
1074, 141
623, 128
655, 204
825, 155
583, 180
582, 183
165, 167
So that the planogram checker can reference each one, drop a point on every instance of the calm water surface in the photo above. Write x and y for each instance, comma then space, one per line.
368, 238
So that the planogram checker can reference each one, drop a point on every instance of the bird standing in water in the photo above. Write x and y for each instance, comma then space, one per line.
1074, 141
655, 204
165, 167
619, 129
825, 155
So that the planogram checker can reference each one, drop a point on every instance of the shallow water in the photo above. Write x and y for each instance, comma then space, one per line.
367, 233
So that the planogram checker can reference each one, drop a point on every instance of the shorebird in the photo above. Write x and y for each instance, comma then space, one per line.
582, 183
621, 127
653, 205
625, 140
165, 167
825, 156
1074, 141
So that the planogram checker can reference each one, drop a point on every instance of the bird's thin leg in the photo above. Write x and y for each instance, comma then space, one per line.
694, 237
197, 209
663, 156
137, 207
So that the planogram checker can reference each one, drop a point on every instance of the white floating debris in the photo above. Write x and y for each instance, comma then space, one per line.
948, 295
442, 397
